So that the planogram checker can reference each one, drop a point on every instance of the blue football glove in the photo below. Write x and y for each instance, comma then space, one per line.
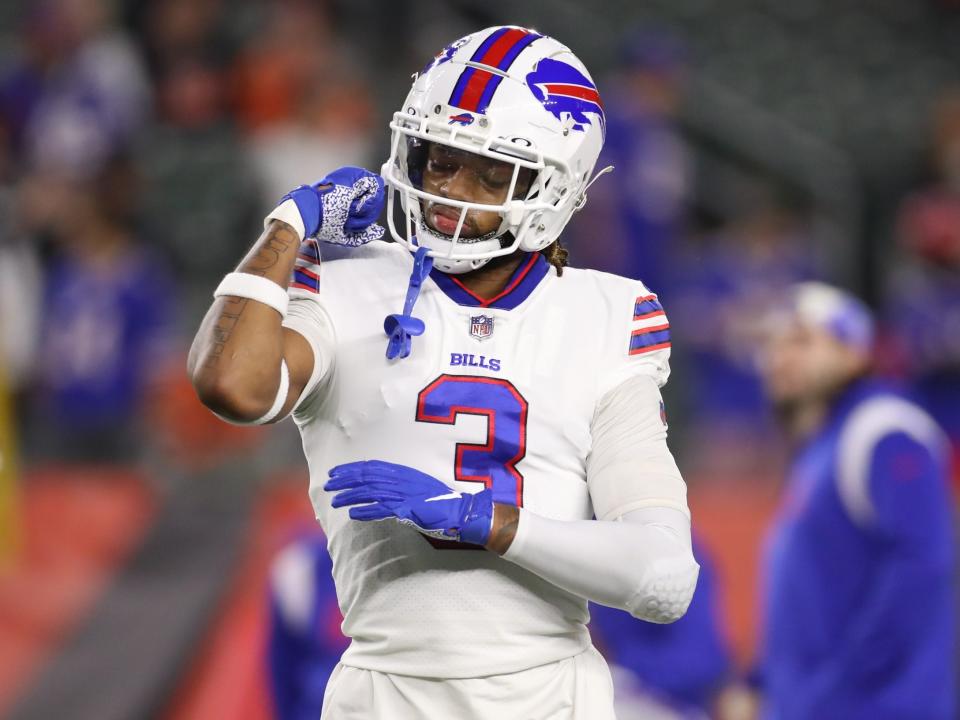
380, 490
342, 208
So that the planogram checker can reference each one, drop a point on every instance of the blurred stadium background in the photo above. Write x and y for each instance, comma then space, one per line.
757, 142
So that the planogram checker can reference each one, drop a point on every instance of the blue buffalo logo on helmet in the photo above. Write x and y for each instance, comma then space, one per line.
445, 55
562, 89
461, 119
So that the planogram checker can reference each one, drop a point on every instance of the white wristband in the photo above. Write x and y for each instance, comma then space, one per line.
256, 288
288, 212
278, 401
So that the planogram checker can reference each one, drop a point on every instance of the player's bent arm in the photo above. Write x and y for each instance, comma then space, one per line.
642, 563
245, 365
637, 556
236, 356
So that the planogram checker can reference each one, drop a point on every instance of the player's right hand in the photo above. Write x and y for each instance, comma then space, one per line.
342, 208
377, 490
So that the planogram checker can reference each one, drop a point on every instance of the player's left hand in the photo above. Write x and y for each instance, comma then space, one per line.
378, 490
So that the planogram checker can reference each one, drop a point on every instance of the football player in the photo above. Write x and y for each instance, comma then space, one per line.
492, 454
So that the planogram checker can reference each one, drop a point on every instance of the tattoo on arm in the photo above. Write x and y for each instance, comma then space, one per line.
232, 310
260, 261
268, 254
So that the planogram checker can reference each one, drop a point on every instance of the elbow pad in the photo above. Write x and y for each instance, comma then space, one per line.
642, 563
665, 590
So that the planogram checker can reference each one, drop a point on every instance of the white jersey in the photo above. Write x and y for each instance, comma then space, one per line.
496, 394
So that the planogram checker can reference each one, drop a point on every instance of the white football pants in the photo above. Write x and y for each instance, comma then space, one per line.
576, 688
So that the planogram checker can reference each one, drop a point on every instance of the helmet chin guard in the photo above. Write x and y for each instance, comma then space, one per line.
438, 243
418, 234
511, 95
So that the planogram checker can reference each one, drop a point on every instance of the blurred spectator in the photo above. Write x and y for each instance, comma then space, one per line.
859, 603
636, 214
107, 322
724, 284
20, 298
190, 95
924, 299
331, 127
201, 204
305, 642
174, 31
303, 107
78, 92
291, 52
679, 667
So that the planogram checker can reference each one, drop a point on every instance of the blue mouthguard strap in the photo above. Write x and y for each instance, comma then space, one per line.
401, 328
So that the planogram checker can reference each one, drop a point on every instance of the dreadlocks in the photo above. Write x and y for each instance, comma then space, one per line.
556, 254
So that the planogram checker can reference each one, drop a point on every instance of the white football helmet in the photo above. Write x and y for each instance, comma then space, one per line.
510, 94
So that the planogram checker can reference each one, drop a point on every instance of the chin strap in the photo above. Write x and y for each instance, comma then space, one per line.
400, 328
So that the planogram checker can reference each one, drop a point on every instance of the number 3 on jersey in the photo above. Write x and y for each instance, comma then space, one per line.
494, 463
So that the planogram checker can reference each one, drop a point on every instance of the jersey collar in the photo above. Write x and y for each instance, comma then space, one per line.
523, 282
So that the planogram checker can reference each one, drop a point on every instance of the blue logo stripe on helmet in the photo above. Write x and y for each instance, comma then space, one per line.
483, 55
457, 95
504, 65
488, 43
488, 92
516, 50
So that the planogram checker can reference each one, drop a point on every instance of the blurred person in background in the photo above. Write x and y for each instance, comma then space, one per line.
197, 168
858, 595
304, 641
723, 284
671, 671
21, 290
171, 31
73, 95
108, 318
300, 100
330, 127
76, 91
290, 57
236, 127
629, 227
923, 306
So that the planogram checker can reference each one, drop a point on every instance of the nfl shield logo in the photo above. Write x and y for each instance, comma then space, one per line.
481, 327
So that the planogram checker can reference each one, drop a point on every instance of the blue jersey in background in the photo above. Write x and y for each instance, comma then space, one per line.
859, 599
304, 643
682, 664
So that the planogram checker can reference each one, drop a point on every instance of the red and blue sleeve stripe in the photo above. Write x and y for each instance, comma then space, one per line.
475, 87
656, 335
306, 267
650, 339
305, 279
647, 306
309, 251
